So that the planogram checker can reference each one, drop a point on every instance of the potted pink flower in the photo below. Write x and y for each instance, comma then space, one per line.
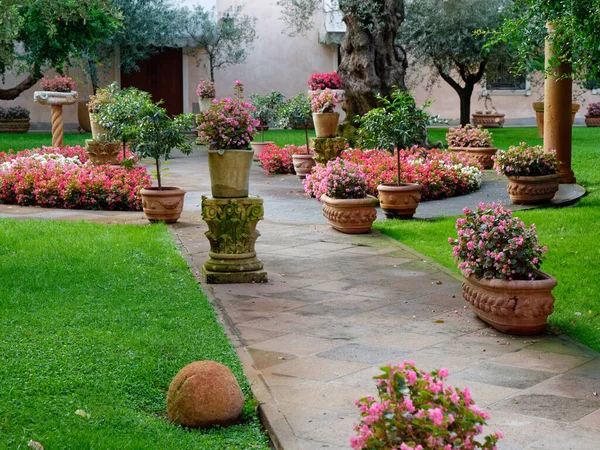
206, 94
320, 81
473, 141
323, 104
532, 173
592, 117
500, 259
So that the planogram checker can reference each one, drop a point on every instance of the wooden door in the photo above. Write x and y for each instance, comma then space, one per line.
162, 76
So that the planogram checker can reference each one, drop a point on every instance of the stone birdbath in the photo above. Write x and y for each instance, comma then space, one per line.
56, 100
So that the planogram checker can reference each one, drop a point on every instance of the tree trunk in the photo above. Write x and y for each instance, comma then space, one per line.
464, 92
371, 61
465, 104
10, 94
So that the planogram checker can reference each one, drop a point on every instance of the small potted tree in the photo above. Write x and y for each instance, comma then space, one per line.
532, 173
476, 142
206, 94
490, 118
396, 125
296, 113
14, 119
500, 259
156, 135
323, 104
266, 108
592, 118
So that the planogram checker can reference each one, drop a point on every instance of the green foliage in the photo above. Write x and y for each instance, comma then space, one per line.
398, 123
295, 112
266, 108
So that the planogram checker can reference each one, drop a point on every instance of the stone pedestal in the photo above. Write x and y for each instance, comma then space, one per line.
232, 234
327, 149
56, 100
102, 152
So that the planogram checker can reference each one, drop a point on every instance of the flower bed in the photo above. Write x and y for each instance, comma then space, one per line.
63, 178
440, 174
278, 160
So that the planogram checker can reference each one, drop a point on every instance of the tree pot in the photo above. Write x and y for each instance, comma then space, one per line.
351, 216
524, 190
488, 120
258, 148
204, 103
162, 205
539, 115
326, 124
229, 172
515, 307
399, 202
482, 154
97, 129
303, 164
14, 125
592, 121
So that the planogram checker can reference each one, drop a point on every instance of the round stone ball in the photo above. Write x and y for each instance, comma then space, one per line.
203, 394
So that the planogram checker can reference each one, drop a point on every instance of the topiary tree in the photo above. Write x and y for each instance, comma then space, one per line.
296, 112
440, 34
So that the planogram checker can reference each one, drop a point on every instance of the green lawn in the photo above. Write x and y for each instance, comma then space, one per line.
571, 234
100, 318
282, 137
22, 141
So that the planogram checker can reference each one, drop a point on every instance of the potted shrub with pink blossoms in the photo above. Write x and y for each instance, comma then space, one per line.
206, 94
473, 141
322, 104
342, 188
319, 81
500, 258
532, 173
417, 411
592, 117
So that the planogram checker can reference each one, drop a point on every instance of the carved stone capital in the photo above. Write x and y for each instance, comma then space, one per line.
55, 98
327, 149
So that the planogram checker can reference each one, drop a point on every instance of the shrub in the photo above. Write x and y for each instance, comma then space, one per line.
525, 160
57, 84
593, 109
14, 112
337, 179
323, 101
493, 244
266, 107
417, 411
227, 124
63, 178
102, 97
205, 89
320, 81
468, 136
277, 160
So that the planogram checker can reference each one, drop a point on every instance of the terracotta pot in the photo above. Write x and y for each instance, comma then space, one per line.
351, 216
592, 121
516, 307
532, 190
97, 129
399, 202
162, 205
204, 103
482, 154
14, 125
303, 164
539, 115
326, 124
83, 116
102, 152
229, 172
258, 148
488, 120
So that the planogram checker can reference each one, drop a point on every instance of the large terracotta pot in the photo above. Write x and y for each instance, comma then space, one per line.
229, 172
14, 125
399, 202
303, 164
532, 190
204, 103
97, 129
516, 307
351, 216
162, 205
102, 152
488, 120
482, 154
83, 116
258, 148
539, 115
592, 121
326, 124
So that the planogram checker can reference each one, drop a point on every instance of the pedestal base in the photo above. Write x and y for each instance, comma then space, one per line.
327, 149
253, 276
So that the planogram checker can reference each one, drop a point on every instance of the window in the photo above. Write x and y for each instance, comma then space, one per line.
499, 78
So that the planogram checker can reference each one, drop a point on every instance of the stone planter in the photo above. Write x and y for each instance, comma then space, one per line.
326, 124
98, 131
303, 164
525, 190
399, 202
482, 154
539, 115
102, 152
258, 148
592, 121
515, 307
162, 205
204, 103
488, 120
229, 172
14, 125
351, 216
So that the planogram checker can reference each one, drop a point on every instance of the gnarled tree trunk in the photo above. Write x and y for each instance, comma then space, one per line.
11, 93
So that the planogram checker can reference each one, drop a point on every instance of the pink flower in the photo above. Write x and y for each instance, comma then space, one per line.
436, 416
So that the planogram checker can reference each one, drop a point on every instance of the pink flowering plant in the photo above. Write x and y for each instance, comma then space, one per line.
493, 244
525, 160
278, 160
329, 80
323, 101
469, 136
417, 411
338, 179
57, 84
14, 112
593, 109
205, 89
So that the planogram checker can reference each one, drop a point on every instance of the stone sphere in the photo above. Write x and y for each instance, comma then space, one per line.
203, 394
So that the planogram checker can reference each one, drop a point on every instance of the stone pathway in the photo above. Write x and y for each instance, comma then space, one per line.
337, 307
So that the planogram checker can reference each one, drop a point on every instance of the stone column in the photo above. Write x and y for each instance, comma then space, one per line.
56, 100
558, 126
